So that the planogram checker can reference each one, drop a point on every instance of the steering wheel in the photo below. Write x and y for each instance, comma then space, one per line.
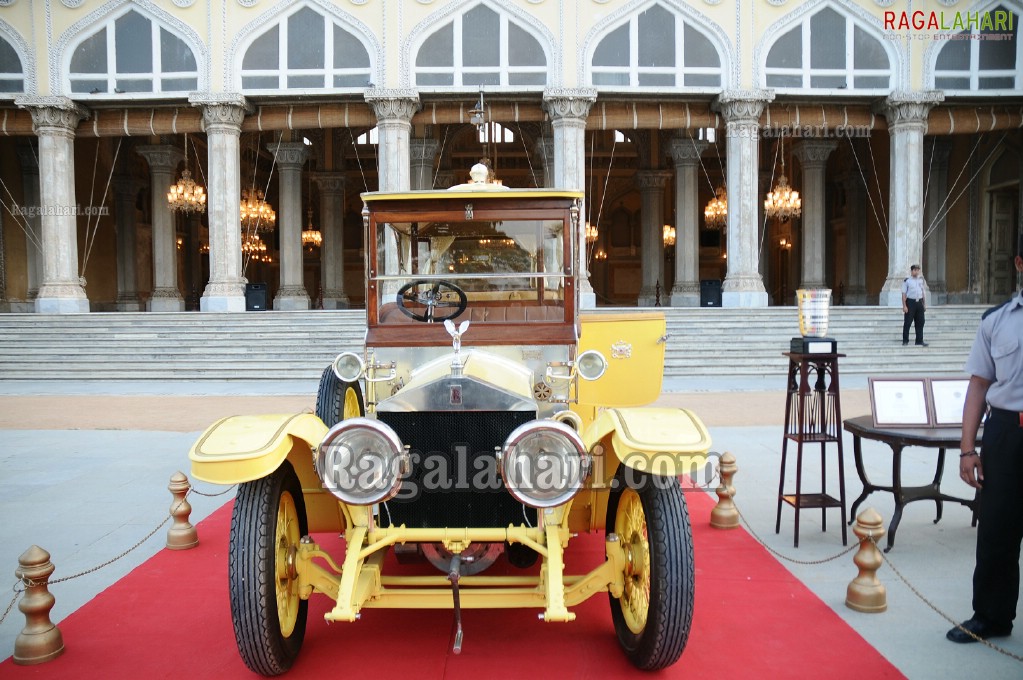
432, 298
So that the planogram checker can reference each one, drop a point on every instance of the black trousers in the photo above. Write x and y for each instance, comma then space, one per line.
914, 316
1000, 529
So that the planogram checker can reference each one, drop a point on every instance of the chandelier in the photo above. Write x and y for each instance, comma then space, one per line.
782, 202
186, 196
256, 214
669, 235
254, 248
716, 212
311, 238
591, 233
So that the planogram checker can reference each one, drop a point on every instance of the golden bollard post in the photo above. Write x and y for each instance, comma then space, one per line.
40, 640
182, 535
725, 515
865, 593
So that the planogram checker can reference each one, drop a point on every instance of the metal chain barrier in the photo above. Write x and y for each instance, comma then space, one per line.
774, 552
17, 594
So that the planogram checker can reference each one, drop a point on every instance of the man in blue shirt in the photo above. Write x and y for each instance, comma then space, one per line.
914, 290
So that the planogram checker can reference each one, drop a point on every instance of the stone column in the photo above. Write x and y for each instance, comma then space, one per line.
855, 239
907, 120
651, 190
743, 285
332, 198
937, 149
813, 156
27, 156
54, 120
423, 152
394, 110
125, 190
568, 109
290, 157
223, 116
686, 151
163, 160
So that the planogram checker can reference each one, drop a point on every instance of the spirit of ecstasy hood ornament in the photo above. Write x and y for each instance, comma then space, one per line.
456, 343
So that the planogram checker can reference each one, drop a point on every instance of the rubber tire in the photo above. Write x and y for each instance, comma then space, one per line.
251, 573
672, 571
330, 398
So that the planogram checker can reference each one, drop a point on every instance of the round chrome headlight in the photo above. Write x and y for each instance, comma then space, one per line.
361, 461
591, 364
544, 463
348, 366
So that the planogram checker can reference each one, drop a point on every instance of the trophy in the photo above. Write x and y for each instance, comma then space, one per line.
814, 304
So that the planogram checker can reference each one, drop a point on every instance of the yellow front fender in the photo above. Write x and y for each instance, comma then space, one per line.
660, 441
243, 448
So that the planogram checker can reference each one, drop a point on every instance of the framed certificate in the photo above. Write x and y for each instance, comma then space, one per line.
899, 402
948, 395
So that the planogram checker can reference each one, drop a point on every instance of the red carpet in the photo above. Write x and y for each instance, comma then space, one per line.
170, 618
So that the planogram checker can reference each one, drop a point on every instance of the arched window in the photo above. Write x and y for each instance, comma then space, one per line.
656, 48
828, 50
12, 73
132, 53
481, 47
305, 51
986, 56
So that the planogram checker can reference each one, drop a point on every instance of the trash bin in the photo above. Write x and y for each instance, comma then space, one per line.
255, 297
710, 293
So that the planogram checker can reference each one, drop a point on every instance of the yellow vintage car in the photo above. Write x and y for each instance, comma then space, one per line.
485, 419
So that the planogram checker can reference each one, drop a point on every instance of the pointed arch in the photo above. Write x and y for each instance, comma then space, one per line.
169, 40
352, 57
830, 45
966, 67
22, 81
522, 52
688, 50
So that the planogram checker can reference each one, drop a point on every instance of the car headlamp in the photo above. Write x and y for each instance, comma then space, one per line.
591, 364
348, 366
544, 463
361, 461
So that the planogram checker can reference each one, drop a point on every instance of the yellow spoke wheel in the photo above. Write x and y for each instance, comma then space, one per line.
630, 525
287, 538
337, 400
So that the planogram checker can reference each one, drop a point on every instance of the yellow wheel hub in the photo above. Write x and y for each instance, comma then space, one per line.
630, 525
286, 582
351, 409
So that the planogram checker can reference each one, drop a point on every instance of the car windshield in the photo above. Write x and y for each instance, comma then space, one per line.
507, 270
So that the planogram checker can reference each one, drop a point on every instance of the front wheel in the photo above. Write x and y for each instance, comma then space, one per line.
337, 400
269, 617
654, 614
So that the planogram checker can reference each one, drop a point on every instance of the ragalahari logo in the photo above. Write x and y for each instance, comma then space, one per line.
941, 25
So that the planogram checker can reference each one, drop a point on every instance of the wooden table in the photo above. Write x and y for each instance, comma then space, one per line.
899, 438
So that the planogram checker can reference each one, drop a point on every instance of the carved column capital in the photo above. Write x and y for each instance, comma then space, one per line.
908, 110
393, 105
741, 110
289, 155
161, 156
813, 153
570, 105
221, 112
649, 180
329, 182
686, 151
126, 187
53, 115
423, 150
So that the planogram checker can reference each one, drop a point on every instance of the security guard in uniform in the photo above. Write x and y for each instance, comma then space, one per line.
995, 366
914, 290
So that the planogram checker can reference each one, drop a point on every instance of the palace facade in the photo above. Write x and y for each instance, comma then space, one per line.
900, 125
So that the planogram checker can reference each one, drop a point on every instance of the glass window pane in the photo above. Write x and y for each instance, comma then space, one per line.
787, 51
306, 40
870, 82
13, 85
1002, 83
134, 85
827, 81
997, 55
523, 48
174, 53
952, 83
297, 82
179, 84
133, 44
702, 80
613, 50
481, 29
481, 78
264, 52
91, 55
784, 81
348, 51
827, 39
867, 51
954, 56
656, 37
438, 49
437, 79
698, 50
9, 61
527, 78
87, 86
612, 79
352, 80
260, 83
656, 79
